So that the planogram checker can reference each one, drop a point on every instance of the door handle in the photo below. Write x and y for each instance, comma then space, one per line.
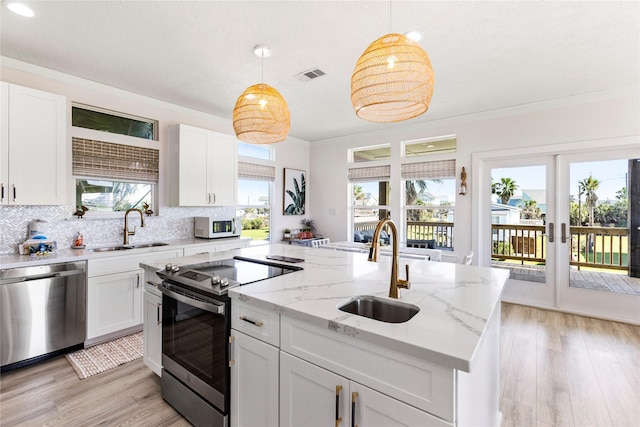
338, 417
564, 232
158, 319
354, 396
551, 232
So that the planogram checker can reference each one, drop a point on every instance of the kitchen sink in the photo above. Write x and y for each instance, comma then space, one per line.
380, 309
123, 247
147, 245
109, 248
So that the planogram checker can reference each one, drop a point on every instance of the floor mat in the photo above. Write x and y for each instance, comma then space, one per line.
102, 357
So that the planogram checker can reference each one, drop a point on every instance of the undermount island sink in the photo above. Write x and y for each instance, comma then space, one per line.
124, 247
380, 309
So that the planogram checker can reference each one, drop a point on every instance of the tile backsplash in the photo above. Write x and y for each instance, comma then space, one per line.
172, 224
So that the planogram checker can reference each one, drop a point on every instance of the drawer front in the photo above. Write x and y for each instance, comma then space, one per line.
417, 382
99, 267
255, 321
215, 247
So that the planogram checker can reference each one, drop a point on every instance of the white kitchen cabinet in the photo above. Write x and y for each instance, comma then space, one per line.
33, 154
254, 382
203, 167
114, 302
114, 294
313, 396
152, 332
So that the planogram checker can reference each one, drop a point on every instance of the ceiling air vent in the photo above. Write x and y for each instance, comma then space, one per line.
310, 74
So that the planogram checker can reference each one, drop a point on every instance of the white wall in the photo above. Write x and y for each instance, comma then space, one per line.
544, 125
292, 153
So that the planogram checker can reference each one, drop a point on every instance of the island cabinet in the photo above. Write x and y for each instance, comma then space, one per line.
114, 294
321, 371
33, 154
255, 363
152, 332
310, 395
203, 167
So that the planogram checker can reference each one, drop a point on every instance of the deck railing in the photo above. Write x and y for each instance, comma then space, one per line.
602, 247
418, 233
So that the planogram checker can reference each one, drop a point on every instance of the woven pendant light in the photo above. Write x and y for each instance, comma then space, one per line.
392, 80
261, 115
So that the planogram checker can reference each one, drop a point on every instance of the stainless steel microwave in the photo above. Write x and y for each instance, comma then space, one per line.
212, 228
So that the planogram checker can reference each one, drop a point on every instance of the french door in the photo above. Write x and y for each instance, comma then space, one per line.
565, 227
597, 243
521, 243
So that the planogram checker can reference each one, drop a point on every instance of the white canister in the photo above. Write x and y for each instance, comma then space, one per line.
38, 229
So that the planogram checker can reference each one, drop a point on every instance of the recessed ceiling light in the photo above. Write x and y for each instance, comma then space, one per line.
21, 9
416, 36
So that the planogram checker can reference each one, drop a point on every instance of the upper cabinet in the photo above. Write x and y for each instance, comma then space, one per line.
202, 167
33, 155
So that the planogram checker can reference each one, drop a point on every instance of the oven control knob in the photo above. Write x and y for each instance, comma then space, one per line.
168, 267
175, 268
224, 282
215, 280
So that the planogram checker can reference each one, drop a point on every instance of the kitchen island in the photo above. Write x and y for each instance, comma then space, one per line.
441, 367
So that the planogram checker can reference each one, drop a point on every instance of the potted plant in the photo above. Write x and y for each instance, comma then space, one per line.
308, 228
287, 234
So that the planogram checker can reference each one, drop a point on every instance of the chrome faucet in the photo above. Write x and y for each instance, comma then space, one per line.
128, 233
373, 257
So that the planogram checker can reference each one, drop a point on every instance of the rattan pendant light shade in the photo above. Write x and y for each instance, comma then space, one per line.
392, 80
261, 115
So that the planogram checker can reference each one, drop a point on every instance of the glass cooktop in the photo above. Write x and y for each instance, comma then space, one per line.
216, 277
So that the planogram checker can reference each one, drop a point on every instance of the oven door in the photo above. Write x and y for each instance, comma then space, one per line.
195, 335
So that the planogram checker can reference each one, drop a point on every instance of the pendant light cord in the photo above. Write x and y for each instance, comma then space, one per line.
389, 16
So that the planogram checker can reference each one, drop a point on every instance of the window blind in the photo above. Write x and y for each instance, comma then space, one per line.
256, 172
429, 170
98, 159
370, 174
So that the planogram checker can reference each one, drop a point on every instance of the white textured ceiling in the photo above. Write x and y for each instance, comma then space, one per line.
199, 54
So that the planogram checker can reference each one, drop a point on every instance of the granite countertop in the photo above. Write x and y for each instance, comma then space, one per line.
69, 255
455, 300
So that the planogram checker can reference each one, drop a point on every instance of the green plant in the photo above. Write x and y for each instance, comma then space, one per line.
308, 224
296, 207
287, 230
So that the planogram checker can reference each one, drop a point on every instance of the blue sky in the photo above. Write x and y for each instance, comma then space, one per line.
610, 173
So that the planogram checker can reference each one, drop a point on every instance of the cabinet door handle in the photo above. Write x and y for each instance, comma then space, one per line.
338, 417
2, 192
551, 232
158, 310
253, 322
354, 396
564, 232
137, 281
231, 340
214, 198
14, 192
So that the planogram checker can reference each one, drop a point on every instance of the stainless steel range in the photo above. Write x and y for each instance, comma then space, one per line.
196, 323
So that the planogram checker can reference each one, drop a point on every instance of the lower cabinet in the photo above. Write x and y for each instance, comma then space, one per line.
254, 382
114, 302
152, 332
313, 396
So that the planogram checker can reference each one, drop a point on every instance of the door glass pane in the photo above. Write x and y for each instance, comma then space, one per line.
518, 218
600, 226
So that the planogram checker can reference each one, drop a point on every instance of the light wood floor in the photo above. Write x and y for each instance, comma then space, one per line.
559, 369
556, 370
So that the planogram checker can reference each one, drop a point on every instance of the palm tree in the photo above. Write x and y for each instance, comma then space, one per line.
505, 189
412, 192
588, 187
358, 192
530, 210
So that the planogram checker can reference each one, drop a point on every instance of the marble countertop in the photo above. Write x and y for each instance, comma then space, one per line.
69, 255
455, 300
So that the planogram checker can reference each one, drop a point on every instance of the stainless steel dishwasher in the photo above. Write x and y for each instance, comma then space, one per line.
42, 312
